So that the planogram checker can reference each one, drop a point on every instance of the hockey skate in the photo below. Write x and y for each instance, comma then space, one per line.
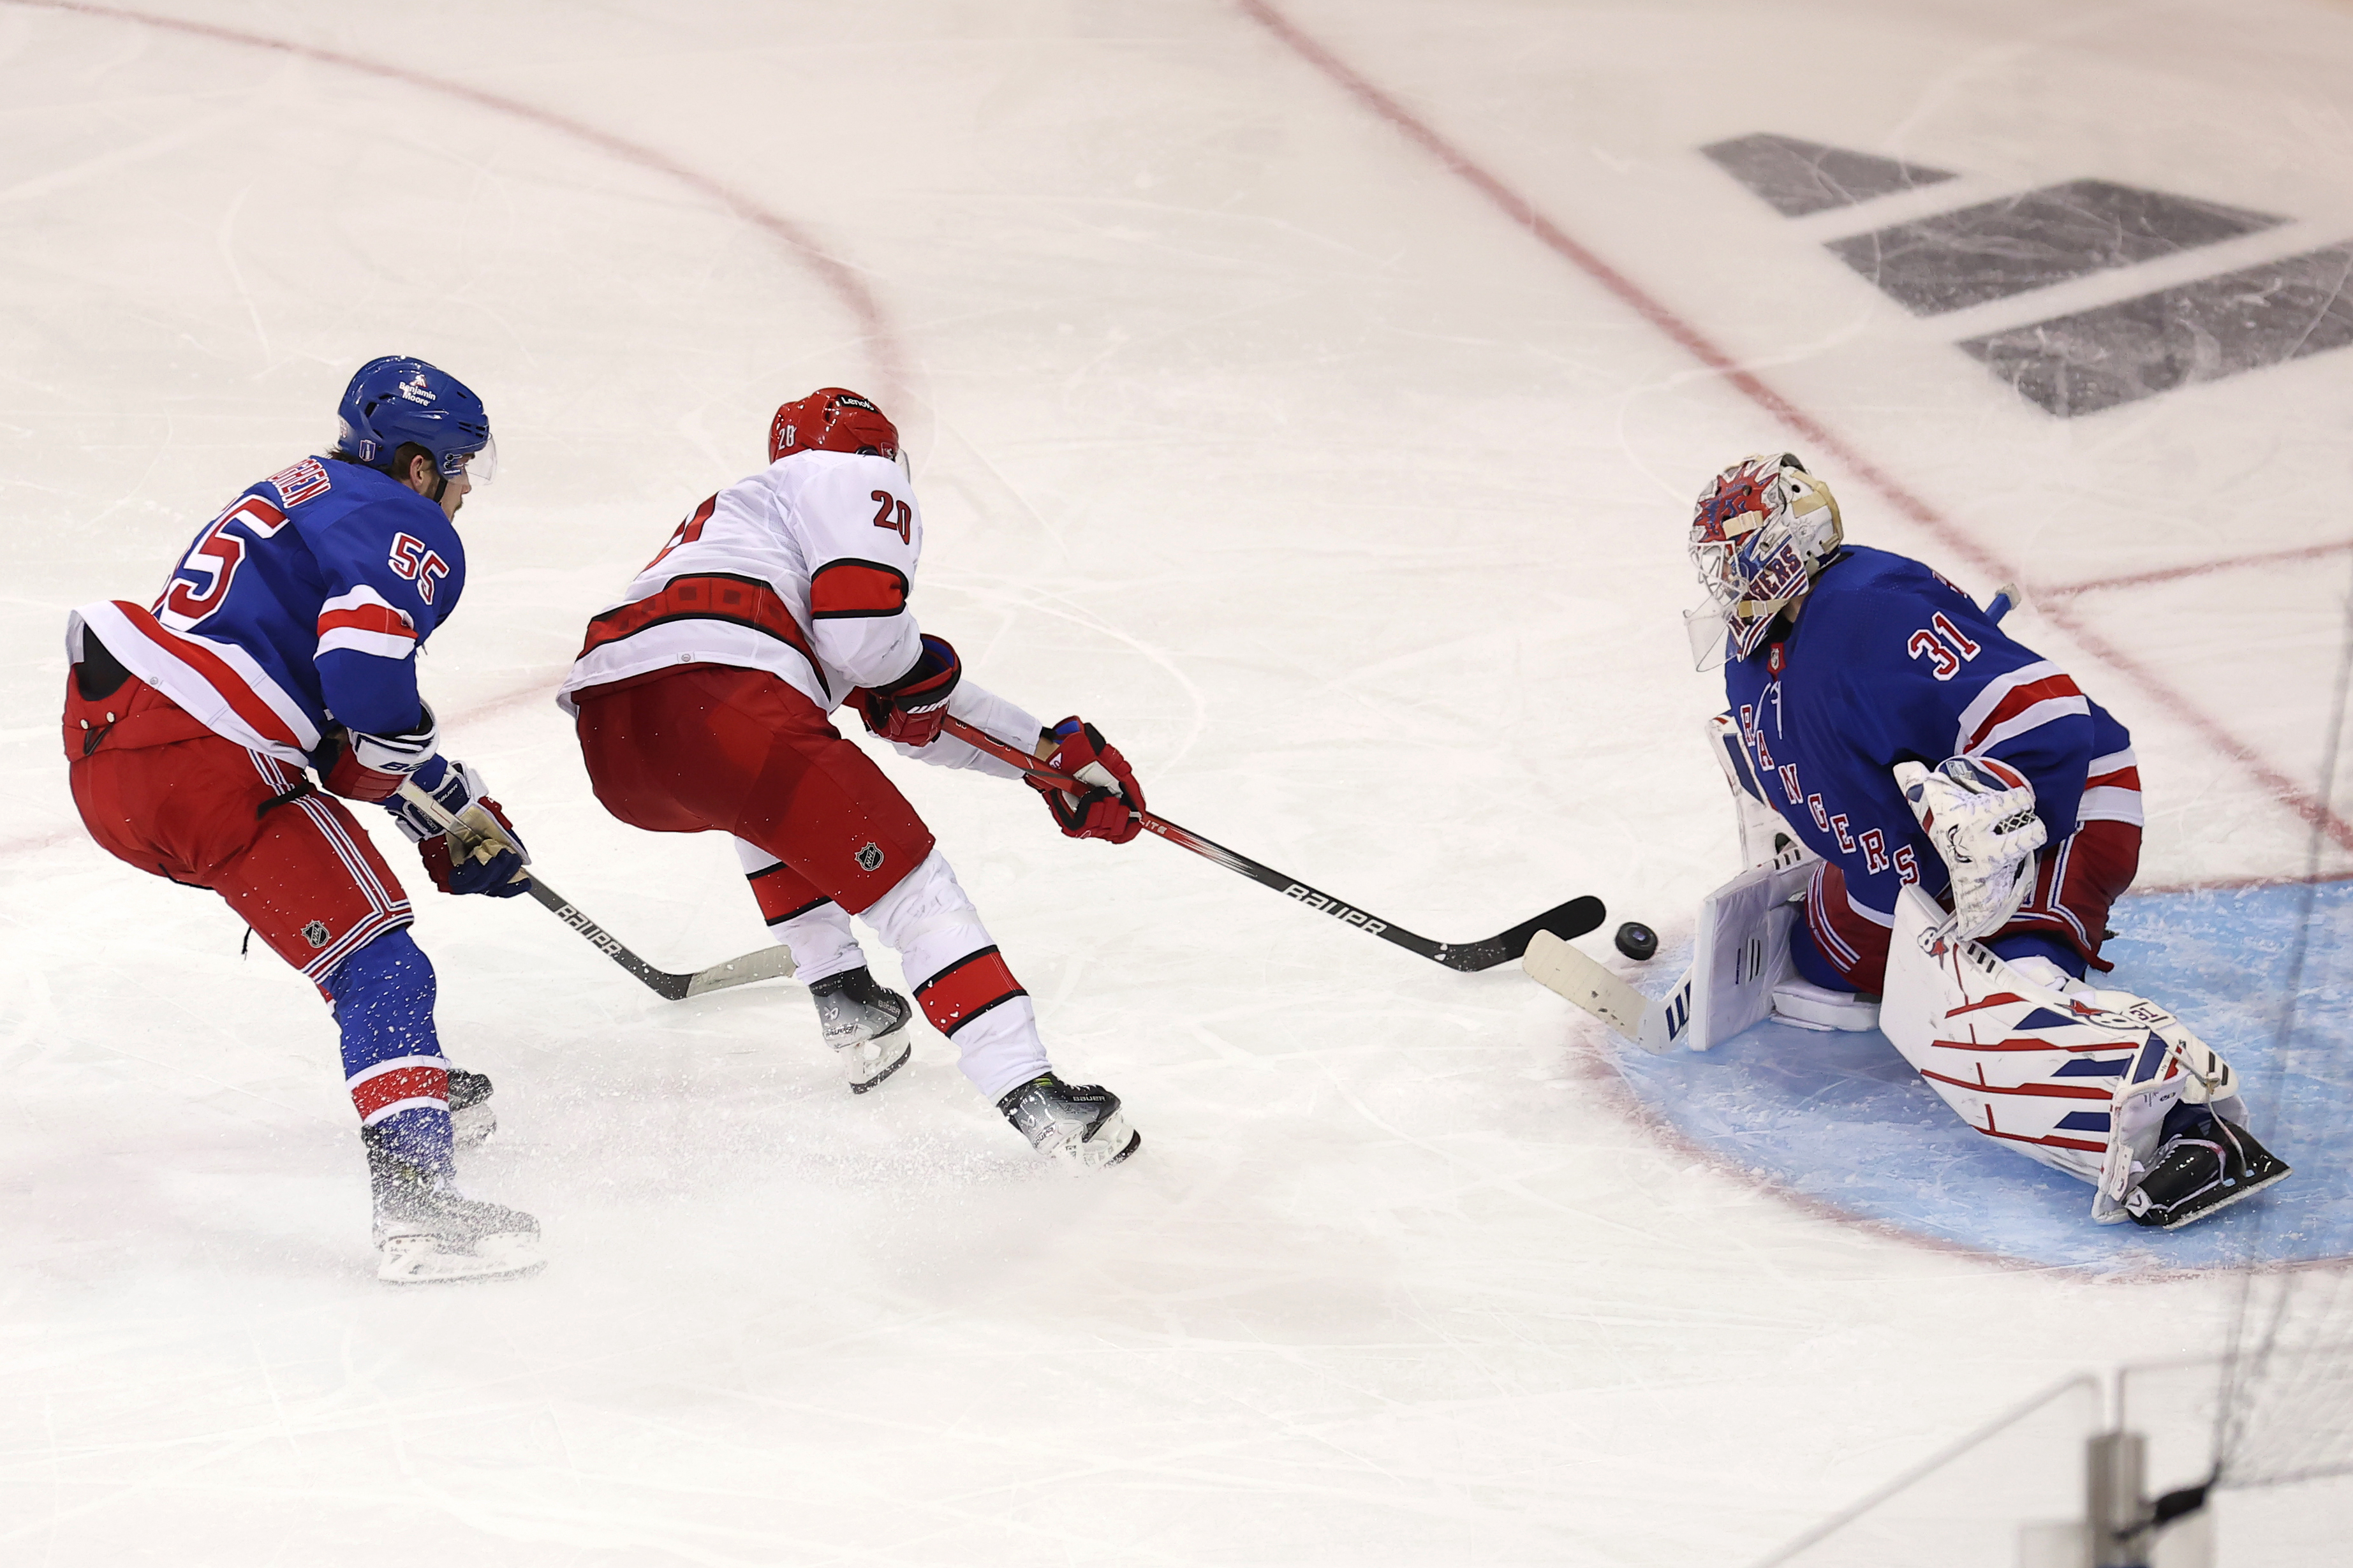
865, 1025
471, 1118
2200, 1171
1079, 1122
428, 1231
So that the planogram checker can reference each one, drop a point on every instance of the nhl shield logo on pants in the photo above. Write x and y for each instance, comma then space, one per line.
870, 858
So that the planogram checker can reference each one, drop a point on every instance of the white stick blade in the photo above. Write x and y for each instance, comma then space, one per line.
769, 963
1557, 966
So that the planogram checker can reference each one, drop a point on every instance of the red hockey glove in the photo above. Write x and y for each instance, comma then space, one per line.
1081, 752
911, 709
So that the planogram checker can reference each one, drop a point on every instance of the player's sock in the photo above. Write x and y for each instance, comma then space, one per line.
399, 1081
965, 987
812, 927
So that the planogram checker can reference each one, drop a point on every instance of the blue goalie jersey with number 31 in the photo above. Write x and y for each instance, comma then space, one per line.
301, 605
1888, 662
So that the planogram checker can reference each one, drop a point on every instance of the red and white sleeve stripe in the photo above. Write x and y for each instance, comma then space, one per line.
364, 621
2111, 790
2012, 704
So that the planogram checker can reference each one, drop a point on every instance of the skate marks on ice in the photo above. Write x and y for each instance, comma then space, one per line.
1841, 1121
2281, 309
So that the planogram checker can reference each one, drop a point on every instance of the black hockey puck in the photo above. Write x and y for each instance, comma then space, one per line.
1636, 940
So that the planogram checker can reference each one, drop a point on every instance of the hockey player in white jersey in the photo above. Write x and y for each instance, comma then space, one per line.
702, 701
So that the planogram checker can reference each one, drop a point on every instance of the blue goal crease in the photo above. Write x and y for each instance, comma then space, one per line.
1842, 1120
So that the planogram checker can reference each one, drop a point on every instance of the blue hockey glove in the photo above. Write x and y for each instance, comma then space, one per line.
462, 835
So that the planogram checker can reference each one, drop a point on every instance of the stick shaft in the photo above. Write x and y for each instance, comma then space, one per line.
766, 964
1582, 915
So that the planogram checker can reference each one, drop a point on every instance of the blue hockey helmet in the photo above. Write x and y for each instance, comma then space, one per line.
397, 401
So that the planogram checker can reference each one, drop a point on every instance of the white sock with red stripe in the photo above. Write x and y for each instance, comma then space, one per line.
813, 928
959, 980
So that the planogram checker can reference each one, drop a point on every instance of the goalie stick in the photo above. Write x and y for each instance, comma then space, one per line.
473, 842
1574, 918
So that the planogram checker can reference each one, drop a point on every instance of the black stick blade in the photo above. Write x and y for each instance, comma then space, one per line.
1568, 921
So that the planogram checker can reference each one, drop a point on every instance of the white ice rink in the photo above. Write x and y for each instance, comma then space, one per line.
1254, 422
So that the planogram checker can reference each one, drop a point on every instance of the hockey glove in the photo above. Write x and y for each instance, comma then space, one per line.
1108, 809
360, 766
462, 835
911, 709
1980, 814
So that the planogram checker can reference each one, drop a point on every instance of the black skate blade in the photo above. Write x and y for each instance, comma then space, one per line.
872, 1084
2244, 1191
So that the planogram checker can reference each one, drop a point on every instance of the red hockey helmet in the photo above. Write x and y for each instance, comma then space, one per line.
831, 420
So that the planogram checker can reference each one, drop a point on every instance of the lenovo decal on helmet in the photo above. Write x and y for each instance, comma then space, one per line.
832, 419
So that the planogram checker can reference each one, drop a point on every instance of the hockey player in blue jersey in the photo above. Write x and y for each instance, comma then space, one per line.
1975, 815
283, 645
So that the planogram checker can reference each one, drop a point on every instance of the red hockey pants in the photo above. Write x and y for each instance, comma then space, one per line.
710, 747
2076, 882
159, 790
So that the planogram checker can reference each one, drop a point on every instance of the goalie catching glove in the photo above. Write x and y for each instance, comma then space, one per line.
1980, 814
462, 835
1107, 808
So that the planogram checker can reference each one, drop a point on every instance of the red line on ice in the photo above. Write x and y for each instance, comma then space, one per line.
1524, 212
2174, 574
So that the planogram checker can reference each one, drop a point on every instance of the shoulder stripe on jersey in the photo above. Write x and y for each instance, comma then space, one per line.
205, 663
848, 590
1995, 715
713, 597
2033, 716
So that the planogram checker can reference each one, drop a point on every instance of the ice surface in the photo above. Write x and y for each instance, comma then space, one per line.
1842, 1121
1341, 498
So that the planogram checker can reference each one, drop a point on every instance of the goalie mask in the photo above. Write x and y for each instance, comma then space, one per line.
1762, 531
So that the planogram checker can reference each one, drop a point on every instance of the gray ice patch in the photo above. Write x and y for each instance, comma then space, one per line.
1799, 178
2035, 239
2118, 354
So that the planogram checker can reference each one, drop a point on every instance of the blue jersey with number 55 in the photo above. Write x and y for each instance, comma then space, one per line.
1888, 662
303, 603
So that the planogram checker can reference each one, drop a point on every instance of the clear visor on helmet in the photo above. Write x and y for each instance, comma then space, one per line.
479, 468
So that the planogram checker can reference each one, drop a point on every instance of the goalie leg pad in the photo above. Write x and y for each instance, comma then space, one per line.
2076, 1079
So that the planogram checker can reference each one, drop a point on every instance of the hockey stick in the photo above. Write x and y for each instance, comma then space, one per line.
471, 841
1574, 918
